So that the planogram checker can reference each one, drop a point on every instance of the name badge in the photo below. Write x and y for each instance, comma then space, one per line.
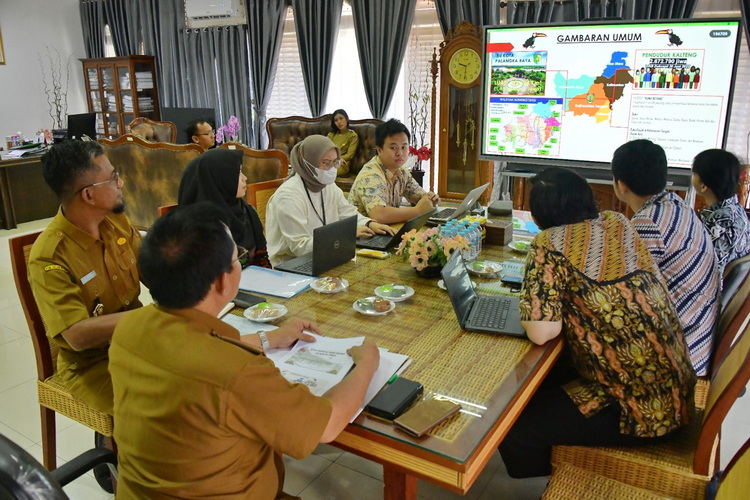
88, 277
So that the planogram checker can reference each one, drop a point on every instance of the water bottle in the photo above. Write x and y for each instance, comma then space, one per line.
466, 254
478, 239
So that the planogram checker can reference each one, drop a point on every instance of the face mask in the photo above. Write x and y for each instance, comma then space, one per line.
325, 176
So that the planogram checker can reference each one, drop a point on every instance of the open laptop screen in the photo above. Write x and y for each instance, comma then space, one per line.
458, 283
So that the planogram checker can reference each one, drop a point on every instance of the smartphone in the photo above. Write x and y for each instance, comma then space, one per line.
512, 281
245, 299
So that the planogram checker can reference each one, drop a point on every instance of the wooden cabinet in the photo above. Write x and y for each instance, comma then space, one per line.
119, 89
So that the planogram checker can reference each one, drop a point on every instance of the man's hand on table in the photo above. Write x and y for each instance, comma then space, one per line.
286, 335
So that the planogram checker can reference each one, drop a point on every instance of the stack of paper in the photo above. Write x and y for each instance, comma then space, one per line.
265, 281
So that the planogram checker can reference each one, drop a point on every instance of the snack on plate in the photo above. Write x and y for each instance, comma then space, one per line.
381, 305
394, 290
329, 283
264, 310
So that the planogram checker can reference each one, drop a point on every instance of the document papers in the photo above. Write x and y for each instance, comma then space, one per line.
272, 282
324, 363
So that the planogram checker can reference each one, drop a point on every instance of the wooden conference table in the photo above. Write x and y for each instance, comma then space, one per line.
493, 375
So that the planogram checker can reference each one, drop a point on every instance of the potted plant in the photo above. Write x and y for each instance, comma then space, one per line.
230, 131
419, 110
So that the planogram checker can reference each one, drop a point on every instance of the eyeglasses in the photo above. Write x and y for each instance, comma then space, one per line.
242, 255
330, 163
213, 132
114, 178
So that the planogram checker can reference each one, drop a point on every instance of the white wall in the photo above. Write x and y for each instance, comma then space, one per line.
27, 28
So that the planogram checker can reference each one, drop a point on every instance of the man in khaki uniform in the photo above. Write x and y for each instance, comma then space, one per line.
83, 269
201, 412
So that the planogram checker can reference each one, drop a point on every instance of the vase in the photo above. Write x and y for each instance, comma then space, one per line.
418, 176
430, 272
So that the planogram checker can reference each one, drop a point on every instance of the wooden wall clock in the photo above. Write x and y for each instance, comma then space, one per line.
459, 64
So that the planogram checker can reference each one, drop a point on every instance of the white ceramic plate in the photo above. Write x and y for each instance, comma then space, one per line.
323, 285
441, 284
519, 246
250, 312
371, 312
394, 292
484, 268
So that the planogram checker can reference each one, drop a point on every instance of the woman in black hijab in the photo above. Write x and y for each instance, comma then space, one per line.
216, 177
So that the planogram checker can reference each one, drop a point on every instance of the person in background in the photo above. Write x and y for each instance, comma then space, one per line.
82, 268
678, 242
384, 180
200, 411
216, 177
345, 138
626, 378
716, 177
201, 132
309, 199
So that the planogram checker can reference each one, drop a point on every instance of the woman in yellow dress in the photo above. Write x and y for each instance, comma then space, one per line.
345, 138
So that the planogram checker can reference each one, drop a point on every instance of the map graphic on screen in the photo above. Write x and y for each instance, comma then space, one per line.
574, 93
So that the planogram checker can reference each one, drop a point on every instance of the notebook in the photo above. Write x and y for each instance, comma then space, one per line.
333, 245
445, 214
479, 313
386, 241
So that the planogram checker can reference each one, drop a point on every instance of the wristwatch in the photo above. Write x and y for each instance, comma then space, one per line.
264, 341
367, 224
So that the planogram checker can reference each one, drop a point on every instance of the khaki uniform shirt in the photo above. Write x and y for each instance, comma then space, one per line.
376, 186
201, 415
72, 272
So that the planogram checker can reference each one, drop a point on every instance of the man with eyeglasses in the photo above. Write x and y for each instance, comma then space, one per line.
201, 133
384, 180
82, 268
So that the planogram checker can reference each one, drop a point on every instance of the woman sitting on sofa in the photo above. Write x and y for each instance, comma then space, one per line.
216, 177
309, 199
345, 138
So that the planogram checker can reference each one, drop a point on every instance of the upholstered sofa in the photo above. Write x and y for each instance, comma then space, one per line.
284, 133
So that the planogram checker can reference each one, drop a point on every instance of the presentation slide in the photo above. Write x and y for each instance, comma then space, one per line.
576, 93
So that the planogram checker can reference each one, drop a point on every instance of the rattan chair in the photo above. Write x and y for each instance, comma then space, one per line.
54, 397
573, 483
259, 193
682, 466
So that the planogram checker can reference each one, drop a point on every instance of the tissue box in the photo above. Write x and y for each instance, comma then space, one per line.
499, 231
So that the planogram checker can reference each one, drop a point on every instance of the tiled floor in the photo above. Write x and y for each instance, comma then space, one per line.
327, 474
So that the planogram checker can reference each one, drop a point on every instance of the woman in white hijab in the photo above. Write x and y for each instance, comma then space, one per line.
309, 199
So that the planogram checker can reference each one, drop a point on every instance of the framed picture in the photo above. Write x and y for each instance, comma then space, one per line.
2, 52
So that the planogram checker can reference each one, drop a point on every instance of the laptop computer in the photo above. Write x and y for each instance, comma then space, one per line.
333, 245
386, 241
445, 214
479, 313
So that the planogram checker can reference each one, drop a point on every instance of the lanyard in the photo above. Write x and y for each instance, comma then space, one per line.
322, 204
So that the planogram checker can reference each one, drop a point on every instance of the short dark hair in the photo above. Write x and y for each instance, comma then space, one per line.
334, 128
64, 163
389, 128
559, 197
183, 254
719, 170
192, 128
642, 166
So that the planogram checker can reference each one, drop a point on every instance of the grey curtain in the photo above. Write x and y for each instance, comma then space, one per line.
265, 24
214, 70
116, 15
92, 22
478, 12
382, 32
317, 26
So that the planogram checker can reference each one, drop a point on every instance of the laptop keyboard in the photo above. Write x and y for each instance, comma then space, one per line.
490, 312
379, 240
443, 213
304, 267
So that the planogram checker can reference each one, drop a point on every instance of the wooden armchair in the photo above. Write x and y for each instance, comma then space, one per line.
151, 171
260, 165
53, 395
258, 195
683, 466
153, 131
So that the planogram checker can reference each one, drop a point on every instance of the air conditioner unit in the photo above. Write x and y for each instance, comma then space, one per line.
204, 13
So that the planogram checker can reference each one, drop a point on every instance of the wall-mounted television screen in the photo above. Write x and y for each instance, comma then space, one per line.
571, 94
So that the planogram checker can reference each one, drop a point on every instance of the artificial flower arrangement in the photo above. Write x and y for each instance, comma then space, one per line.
422, 153
230, 131
429, 248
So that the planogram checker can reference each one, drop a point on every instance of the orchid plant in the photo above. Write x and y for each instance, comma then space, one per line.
429, 248
230, 131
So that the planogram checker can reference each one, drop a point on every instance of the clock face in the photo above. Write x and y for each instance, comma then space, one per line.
465, 65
